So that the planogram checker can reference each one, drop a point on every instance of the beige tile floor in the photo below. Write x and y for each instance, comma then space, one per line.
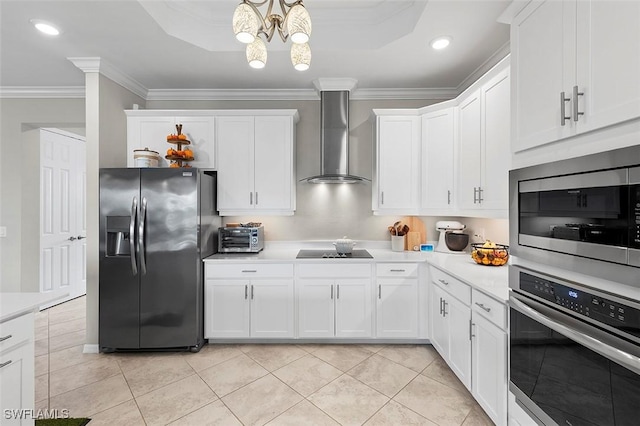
246, 384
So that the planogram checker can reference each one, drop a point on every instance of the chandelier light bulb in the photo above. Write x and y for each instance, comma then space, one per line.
253, 27
257, 53
301, 56
299, 24
245, 23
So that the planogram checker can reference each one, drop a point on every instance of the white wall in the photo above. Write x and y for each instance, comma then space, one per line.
17, 116
106, 147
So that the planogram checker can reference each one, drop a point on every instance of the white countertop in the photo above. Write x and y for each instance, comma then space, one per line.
13, 305
492, 280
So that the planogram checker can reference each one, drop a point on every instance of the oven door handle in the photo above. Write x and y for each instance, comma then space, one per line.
602, 344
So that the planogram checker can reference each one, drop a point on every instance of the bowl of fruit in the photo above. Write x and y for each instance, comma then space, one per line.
490, 253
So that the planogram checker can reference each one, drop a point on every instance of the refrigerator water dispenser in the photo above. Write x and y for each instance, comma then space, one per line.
118, 242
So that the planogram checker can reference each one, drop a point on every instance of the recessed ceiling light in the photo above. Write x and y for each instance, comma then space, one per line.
45, 27
440, 42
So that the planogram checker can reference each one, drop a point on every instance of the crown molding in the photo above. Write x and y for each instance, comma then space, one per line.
42, 92
231, 94
99, 65
404, 94
335, 84
492, 61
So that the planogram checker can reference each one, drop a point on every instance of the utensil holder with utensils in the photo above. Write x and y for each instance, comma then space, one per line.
397, 242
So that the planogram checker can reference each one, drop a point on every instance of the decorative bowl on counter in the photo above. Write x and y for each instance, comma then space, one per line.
344, 245
490, 254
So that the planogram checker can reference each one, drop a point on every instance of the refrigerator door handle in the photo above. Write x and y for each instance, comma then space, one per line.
132, 233
141, 246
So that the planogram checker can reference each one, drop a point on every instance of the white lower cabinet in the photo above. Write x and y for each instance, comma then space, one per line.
450, 320
334, 301
16, 369
261, 307
489, 356
489, 380
469, 332
397, 300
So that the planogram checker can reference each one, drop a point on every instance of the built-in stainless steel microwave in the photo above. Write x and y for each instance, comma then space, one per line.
581, 214
241, 239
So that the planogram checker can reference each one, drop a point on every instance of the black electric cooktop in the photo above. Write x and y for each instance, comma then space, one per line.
332, 254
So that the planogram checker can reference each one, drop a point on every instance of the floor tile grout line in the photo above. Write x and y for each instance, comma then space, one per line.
193, 372
219, 398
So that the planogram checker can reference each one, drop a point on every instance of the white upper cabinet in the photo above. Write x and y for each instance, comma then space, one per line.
149, 129
396, 183
438, 161
255, 163
608, 62
575, 68
495, 143
469, 158
484, 155
450, 158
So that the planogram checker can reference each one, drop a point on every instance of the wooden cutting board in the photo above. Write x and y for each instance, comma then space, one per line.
415, 224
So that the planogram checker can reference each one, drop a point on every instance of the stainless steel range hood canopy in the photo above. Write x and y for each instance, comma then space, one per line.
334, 139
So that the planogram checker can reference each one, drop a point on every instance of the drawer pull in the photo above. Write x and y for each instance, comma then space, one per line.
4, 364
9, 336
249, 270
397, 270
483, 307
443, 282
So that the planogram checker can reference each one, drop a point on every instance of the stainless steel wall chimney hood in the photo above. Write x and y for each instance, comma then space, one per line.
334, 139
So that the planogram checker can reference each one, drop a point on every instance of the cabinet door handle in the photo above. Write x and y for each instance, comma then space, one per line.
475, 197
444, 308
379, 291
576, 109
563, 112
249, 270
4, 364
337, 291
251, 291
256, 198
246, 291
443, 282
8, 336
382, 197
471, 335
331, 292
448, 196
396, 270
483, 307
251, 198
480, 191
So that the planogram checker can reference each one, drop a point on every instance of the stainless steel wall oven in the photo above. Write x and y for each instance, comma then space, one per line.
574, 331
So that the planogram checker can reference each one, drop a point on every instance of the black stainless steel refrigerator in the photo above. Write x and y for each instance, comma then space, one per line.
156, 226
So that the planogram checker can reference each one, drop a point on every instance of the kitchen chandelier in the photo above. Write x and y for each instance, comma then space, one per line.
249, 23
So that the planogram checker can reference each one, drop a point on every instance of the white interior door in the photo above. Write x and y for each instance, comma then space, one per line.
62, 214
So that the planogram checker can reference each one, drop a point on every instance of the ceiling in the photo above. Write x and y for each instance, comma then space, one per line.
189, 45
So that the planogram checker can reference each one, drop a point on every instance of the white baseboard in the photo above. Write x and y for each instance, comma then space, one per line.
91, 349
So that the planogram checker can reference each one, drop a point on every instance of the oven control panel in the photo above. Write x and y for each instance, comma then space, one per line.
583, 303
634, 220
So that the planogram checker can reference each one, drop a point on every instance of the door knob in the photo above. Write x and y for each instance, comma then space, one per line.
80, 237
72, 238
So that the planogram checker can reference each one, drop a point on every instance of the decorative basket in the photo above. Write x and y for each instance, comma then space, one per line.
490, 256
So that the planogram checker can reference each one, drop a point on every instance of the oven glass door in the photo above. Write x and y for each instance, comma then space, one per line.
562, 375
